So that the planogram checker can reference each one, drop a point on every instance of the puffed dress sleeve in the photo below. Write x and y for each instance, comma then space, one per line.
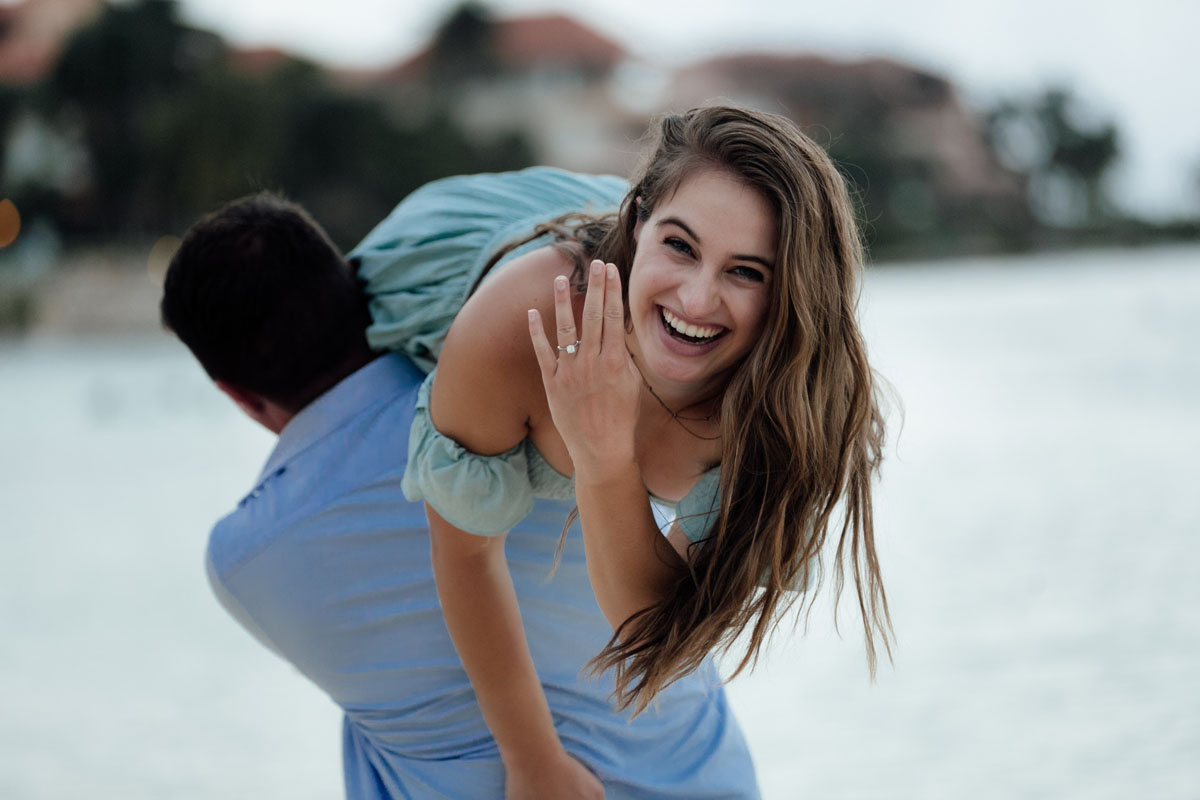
483, 495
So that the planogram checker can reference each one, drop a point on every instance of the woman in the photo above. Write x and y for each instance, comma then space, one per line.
698, 348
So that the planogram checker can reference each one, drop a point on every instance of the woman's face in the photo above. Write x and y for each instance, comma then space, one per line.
700, 281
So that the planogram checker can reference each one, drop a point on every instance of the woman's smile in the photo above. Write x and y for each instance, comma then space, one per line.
673, 337
686, 331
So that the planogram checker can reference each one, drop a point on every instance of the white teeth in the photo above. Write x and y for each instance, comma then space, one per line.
687, 329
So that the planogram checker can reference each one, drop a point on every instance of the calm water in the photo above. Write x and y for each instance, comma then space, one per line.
1039, 521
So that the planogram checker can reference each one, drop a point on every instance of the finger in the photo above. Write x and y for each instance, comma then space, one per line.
547, 360
614, 311
593, 309
564, 315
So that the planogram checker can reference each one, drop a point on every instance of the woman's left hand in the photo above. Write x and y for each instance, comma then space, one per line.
591, 382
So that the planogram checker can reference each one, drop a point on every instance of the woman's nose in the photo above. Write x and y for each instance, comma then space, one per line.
698, 296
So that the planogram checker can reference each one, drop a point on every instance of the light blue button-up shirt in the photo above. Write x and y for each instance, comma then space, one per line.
328, 565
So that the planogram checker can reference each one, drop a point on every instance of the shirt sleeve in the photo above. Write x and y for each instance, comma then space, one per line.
483, 495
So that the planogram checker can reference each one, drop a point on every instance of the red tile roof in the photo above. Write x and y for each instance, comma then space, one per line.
525, 42
885, 77
258, 61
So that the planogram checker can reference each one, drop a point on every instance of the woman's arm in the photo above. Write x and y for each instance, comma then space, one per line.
593, 396
480, 399
482, 615
631, 565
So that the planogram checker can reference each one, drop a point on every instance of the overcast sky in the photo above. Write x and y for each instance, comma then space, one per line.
1134, 60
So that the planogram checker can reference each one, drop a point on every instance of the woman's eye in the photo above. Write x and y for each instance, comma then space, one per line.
680, 245
749, 273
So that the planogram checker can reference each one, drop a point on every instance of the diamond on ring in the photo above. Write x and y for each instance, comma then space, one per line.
569, 349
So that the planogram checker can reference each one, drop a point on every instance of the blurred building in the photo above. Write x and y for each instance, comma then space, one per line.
918, 157
259, 60
572, 91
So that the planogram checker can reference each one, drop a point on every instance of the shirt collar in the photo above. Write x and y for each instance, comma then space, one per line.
376, 383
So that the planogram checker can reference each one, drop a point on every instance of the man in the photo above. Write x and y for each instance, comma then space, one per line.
327, 564
324, 561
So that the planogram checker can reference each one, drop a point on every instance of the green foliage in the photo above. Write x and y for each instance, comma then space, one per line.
16, 308
122, 75
463, 48
11, 100
130, 55
1045, 137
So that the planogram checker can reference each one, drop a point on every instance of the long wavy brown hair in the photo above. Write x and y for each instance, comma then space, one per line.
801, 426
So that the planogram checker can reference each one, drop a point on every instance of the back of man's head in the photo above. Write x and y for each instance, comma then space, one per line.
265, 301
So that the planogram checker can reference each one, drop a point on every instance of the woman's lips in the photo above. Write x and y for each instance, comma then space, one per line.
682, 344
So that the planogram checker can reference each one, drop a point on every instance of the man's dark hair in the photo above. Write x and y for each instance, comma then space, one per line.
265, 301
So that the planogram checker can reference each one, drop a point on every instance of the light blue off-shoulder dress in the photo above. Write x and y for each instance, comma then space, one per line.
418, 266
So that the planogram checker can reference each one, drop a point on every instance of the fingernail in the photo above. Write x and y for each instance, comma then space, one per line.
596, 267
532, 314
612, 270
560, 282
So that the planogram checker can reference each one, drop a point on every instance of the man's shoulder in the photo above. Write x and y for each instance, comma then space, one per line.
364, 455
294, 507
264, 514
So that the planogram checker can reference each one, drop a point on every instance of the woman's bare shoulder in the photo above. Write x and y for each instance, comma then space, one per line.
488, 386
499, 307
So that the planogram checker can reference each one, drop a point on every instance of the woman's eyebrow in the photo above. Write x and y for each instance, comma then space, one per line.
681, 224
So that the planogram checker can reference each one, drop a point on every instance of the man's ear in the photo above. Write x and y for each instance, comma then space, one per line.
265, 412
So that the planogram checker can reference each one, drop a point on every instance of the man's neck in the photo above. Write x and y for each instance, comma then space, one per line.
355, 359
